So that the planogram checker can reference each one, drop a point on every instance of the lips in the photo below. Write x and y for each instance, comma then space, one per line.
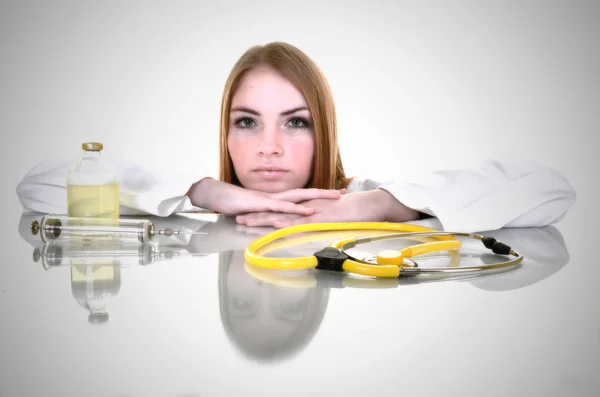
270, 172
269, 169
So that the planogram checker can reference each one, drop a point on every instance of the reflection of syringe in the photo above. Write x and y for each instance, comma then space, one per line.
64, 228
72, 253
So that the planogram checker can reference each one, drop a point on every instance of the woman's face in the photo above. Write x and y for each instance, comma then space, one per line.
271, 136
264, 317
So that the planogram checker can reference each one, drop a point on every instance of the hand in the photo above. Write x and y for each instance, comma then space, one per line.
229, 199
349, 207
268, 219
372, 206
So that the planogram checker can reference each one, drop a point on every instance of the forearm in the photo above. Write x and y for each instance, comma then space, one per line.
199, 193
389, 209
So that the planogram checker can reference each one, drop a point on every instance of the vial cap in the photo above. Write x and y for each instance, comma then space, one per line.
92, 146
98, 318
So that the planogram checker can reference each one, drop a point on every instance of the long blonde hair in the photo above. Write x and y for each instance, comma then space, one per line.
300, 70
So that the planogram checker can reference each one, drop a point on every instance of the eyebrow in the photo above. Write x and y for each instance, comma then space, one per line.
252, 111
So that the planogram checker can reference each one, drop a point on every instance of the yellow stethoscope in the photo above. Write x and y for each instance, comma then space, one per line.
388, 263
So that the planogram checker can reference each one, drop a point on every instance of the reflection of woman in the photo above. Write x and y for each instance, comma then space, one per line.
278, 138
269, 320
266, 322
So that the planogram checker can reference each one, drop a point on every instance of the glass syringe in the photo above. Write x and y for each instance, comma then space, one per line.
65, 228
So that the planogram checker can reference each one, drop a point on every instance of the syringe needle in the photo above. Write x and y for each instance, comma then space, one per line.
192, 233
172, 232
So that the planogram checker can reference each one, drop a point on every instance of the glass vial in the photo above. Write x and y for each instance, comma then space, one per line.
93, 186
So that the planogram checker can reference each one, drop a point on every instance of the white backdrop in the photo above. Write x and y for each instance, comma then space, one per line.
417, 83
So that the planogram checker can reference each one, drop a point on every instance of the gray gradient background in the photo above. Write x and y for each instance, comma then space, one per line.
418, 85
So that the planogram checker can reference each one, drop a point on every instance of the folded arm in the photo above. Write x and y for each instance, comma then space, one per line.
489, 197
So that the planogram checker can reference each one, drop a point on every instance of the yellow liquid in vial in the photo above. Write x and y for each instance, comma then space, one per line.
93, 201
84, 272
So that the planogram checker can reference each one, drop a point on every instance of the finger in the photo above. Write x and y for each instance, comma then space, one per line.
242, 218
343, 191
298, 195
268, 218
288, 207
263, 220
257, 218
256, 215
293, 222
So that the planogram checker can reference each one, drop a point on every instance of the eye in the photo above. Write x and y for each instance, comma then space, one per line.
244, 122
241, 306
298, 122
292, 307
292, 312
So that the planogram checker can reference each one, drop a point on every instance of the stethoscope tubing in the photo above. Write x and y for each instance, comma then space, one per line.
335, 257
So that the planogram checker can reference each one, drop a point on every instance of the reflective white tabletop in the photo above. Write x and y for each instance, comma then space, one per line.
186, 317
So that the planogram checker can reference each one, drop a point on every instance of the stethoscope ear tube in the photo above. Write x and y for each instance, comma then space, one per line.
491, 243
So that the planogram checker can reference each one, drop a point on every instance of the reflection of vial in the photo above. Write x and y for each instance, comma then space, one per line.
93, 186
93, 285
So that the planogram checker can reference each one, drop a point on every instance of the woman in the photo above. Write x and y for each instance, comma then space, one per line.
278, 134
280, 165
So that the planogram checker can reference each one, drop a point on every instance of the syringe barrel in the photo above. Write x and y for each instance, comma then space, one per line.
64, 228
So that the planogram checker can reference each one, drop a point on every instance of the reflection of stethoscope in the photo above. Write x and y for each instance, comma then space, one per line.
343, 280
387, 264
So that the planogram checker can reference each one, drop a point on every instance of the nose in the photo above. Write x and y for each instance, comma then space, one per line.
270, 142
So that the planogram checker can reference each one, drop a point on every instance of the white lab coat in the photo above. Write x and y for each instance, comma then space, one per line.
488, 197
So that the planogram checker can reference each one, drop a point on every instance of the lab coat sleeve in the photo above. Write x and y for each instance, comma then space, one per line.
141, 191
488, 197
